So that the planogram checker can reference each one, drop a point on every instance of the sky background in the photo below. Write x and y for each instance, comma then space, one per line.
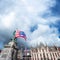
40, 20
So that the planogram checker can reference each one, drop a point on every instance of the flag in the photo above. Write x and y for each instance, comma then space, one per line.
20, 34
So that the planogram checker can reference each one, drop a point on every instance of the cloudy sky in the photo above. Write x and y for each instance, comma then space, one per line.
40, 20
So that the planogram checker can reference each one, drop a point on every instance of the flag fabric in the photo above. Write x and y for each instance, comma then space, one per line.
20, 34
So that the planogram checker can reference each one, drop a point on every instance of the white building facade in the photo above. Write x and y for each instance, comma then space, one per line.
45, 53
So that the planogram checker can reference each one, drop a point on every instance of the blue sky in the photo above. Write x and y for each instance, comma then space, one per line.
38, 19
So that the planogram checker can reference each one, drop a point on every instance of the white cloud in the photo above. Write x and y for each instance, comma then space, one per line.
52, 19
49, 39
42, 30
25, 14
8, 19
